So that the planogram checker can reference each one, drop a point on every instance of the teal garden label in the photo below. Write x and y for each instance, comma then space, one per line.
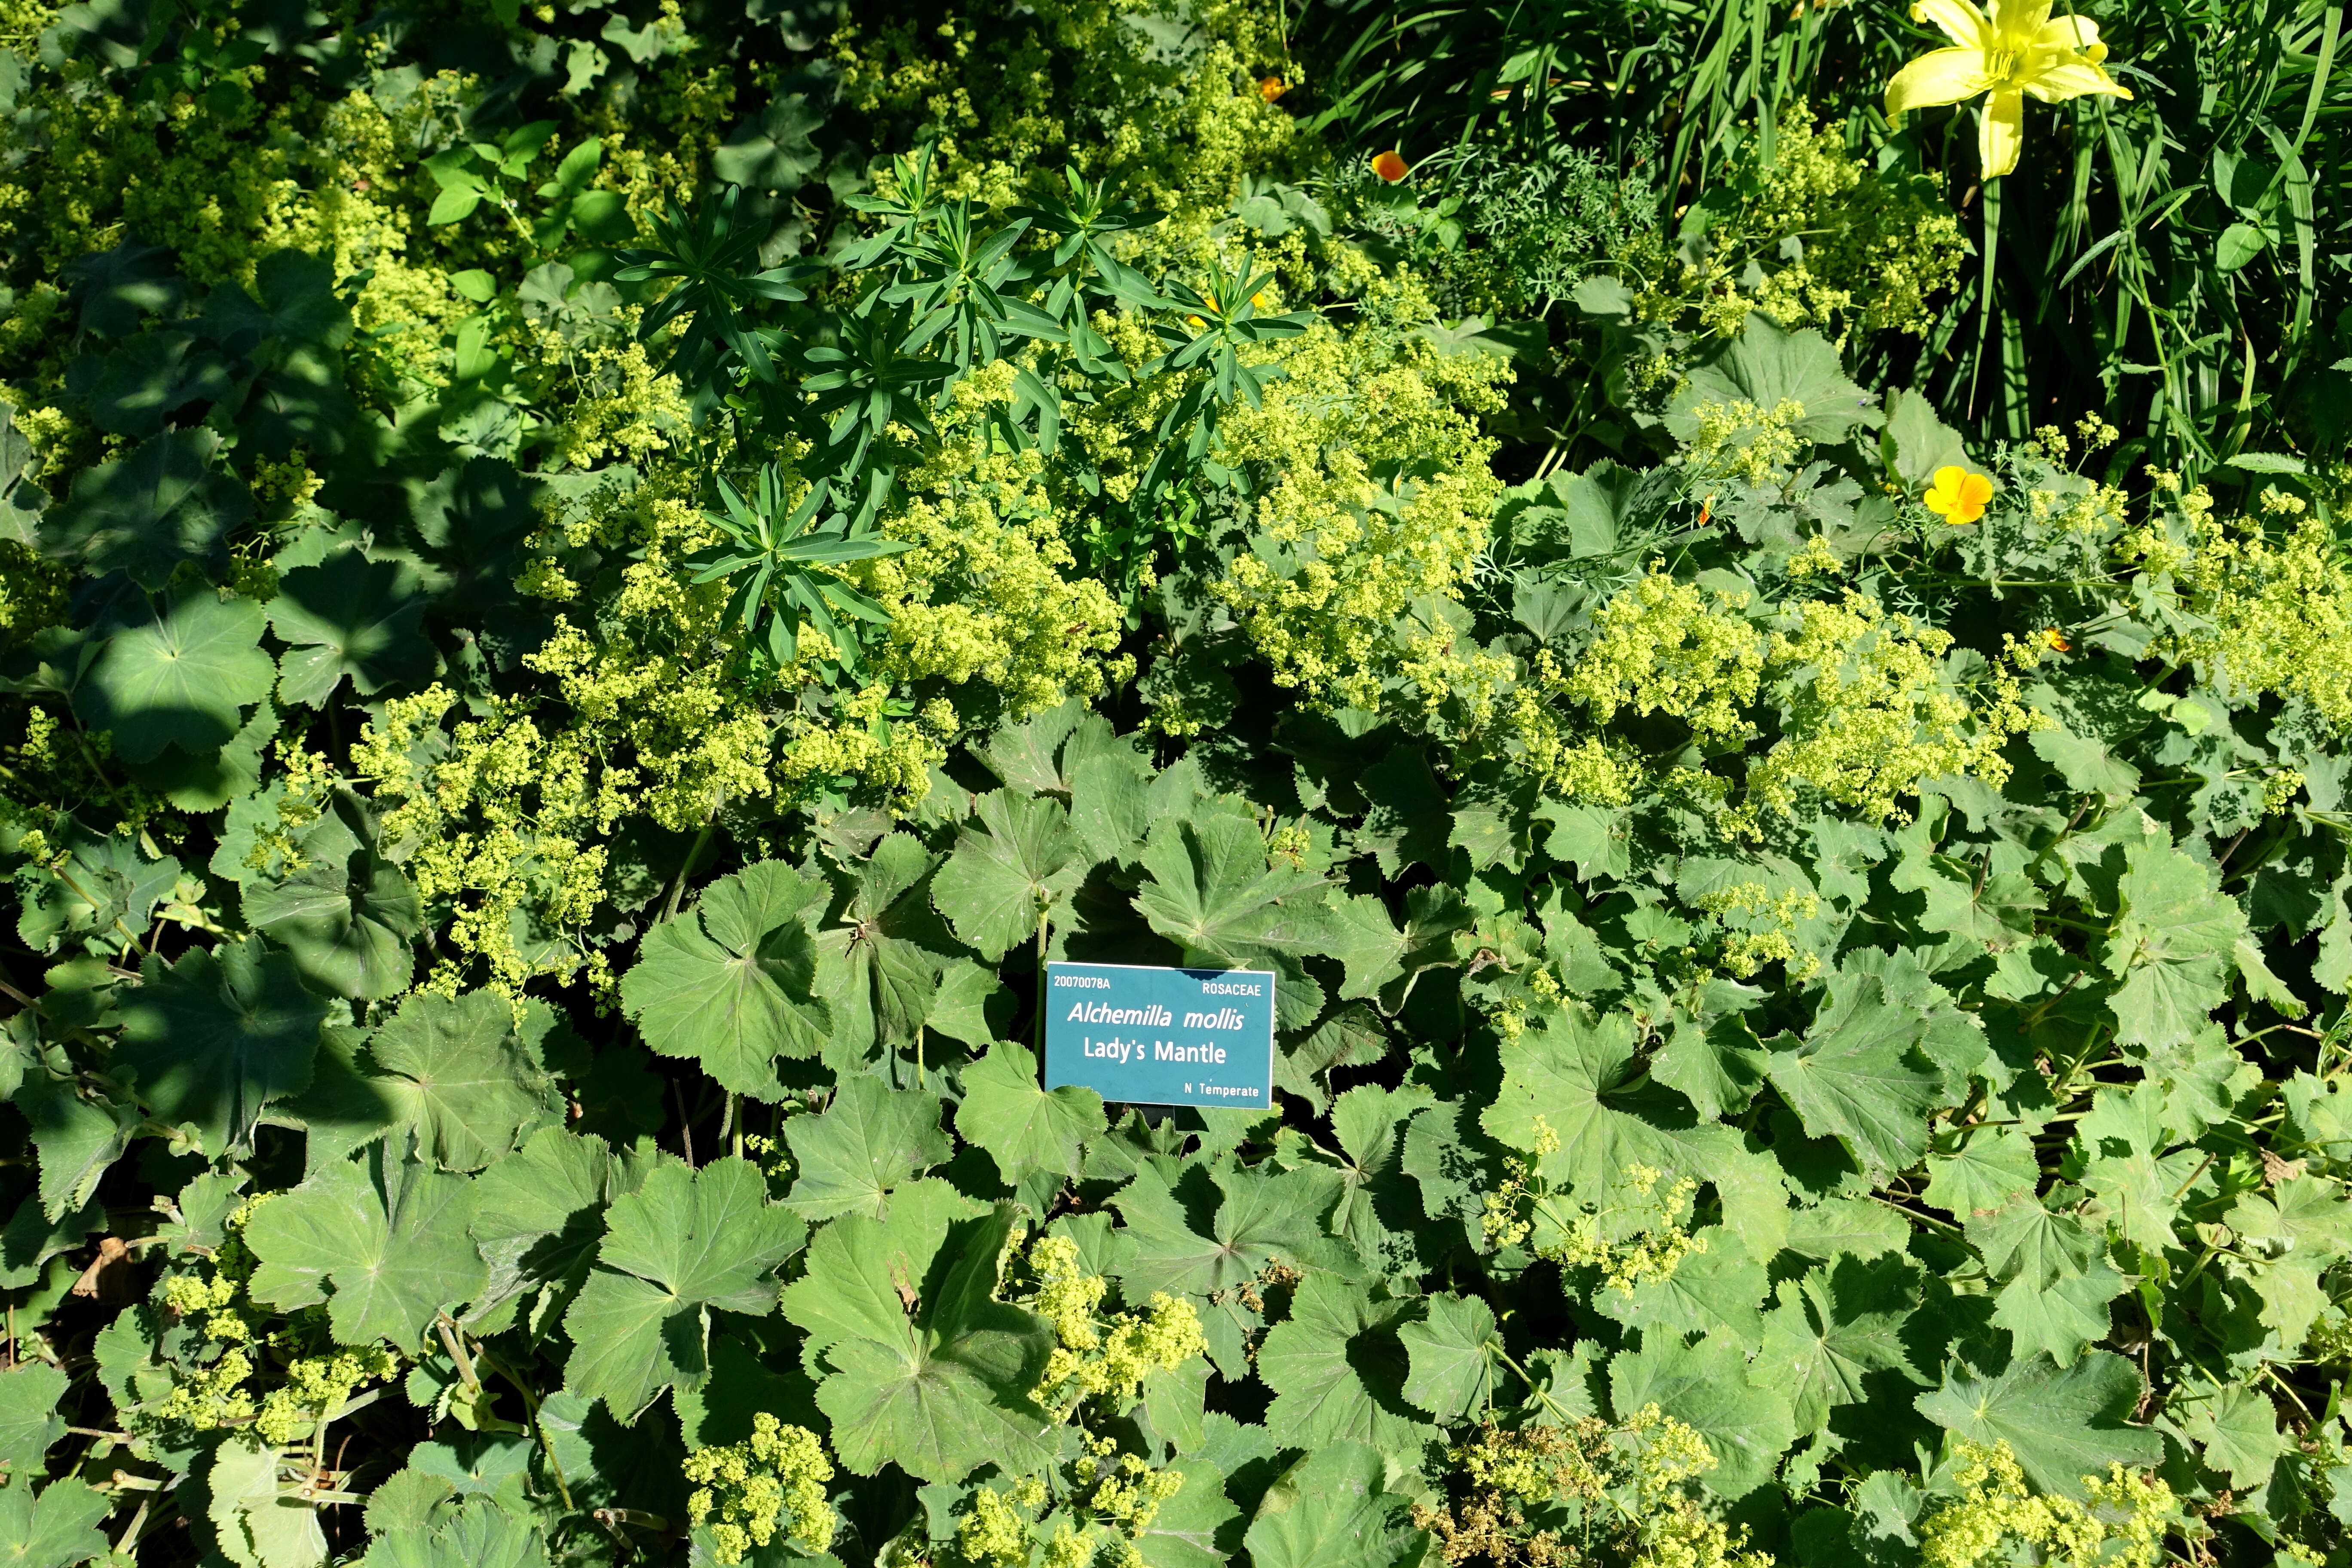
1150, 1035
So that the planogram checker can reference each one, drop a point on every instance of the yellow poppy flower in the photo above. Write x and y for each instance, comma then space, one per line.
2056, 640
1958, 496
1270, 87
2016, 50
1389, 165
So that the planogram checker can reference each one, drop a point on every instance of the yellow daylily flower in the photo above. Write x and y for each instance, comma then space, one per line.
2015, 50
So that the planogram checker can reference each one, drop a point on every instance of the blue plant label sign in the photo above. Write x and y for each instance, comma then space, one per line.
1149, 1036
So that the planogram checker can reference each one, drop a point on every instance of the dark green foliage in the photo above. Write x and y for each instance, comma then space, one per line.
427, 1128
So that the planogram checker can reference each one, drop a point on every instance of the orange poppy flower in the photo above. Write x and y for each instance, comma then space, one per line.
1958, 496
2056, 640
1270, 87
1389, 165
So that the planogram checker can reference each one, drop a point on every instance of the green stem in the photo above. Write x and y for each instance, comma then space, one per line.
455, 1344
1565, 1414
2210, 1254
1914, 1215
129, 938
686, 867
131, 1530
530, 1408
1991, 195
2201, 1166
2064, 1090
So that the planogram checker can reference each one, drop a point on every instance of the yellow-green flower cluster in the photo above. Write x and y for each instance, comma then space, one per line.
991, 593
1126, 1495
1630, 1484
1105, 1507
1769, 934
1743, 440
229, 177
1625, 1264
1506, 1469
1670, 648
206, 1398
213, 1290
2278, 608
500, 825
2122, 1523
32, 592
774, 1480
617, 405
996, 89
509, 803
215, 1297
1875, 248
315, 1387
1893, 245
1868, 713
1683, 1537
1092, 1357
1634, 1238
995, 1534
1356, 538
1664, 1454
317, 1377
306, 781
1057, 1288
56, 762
1160, 1337
996, 1531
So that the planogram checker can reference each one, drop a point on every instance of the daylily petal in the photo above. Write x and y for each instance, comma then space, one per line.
2068, 32
1962, 21
2000, 132
1938, 77
2057, 83
2014, 19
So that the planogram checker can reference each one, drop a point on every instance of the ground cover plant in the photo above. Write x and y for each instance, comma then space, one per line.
1747, 606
